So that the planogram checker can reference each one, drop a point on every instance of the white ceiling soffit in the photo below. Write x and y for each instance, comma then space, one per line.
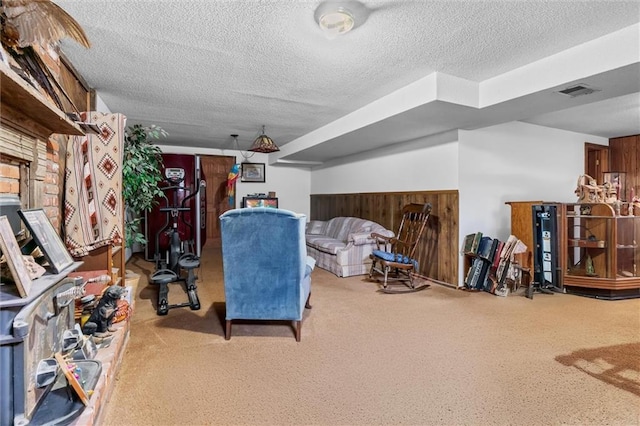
623, 115
204, 70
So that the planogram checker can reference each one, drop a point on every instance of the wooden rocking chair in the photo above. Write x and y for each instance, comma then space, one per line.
394, 259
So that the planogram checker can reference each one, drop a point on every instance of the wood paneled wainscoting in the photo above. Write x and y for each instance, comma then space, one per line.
624, 156
438, 252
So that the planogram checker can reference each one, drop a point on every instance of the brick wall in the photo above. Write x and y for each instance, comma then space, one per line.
51, 202
13, 183
9, 177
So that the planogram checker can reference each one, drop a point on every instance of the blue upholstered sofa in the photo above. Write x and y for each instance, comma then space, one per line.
342, 245
267, 273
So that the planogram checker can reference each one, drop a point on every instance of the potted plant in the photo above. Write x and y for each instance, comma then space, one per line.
141, 173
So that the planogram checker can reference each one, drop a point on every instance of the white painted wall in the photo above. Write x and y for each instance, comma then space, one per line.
100, 105
515, 162
292, 185
421, 165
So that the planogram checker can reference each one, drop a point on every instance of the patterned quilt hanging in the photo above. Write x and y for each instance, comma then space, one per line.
93, 210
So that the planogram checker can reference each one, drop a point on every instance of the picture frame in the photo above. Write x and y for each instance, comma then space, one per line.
15, 261
47, 239
252, 172
71, 379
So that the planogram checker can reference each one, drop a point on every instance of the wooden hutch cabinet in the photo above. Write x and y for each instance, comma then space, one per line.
600, 253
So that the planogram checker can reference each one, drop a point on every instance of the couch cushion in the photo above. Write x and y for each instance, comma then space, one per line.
340, 227
325, 244
394, 257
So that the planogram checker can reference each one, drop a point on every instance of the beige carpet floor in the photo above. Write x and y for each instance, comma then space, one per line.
436, 357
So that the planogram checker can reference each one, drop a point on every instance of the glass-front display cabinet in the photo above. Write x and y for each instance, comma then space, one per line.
601, 254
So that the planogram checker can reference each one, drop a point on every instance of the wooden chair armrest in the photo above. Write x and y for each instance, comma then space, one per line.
377, 236
382, 241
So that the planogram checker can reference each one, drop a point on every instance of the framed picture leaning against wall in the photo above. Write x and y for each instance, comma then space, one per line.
15, 261
47, 239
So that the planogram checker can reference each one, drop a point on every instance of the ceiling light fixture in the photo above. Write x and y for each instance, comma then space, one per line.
339, 17
264, 143
337, 22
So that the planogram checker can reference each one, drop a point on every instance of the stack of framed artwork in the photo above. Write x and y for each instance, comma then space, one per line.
47, 239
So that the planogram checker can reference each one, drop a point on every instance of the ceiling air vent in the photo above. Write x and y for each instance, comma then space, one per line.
578, 90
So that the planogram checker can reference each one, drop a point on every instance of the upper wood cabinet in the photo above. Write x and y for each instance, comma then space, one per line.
624, 156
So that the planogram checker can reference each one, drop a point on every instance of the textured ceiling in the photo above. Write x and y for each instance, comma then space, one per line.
206, 69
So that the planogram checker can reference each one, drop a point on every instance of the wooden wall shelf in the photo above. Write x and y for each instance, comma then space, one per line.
27, 109
587, 243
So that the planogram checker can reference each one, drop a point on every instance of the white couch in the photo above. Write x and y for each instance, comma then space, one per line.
342, 245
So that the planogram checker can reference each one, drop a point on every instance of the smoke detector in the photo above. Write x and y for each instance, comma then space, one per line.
578, 90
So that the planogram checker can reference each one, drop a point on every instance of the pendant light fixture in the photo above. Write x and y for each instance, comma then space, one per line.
264, 143
245, 156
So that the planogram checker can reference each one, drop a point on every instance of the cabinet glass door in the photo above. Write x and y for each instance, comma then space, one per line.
588, 242
627, 246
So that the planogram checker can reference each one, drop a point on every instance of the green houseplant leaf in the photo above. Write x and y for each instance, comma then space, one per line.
141, 173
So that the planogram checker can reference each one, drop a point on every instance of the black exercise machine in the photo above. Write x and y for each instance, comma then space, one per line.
179, 255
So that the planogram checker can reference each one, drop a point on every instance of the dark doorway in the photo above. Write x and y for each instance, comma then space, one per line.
596, 160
